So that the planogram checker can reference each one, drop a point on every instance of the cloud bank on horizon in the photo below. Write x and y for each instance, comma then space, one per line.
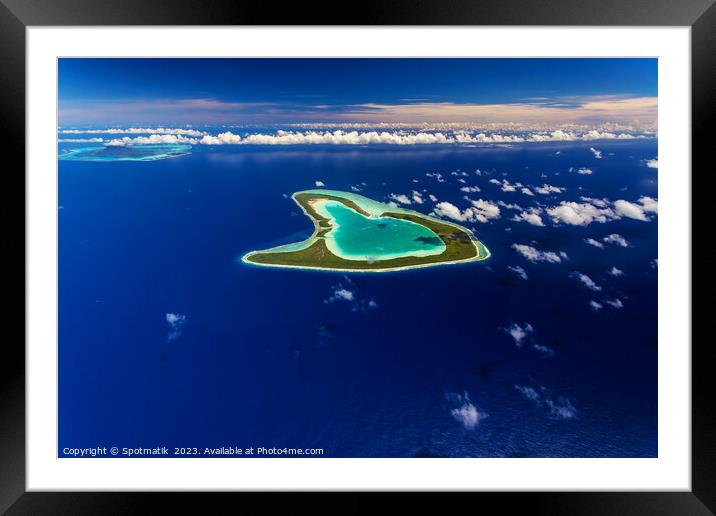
161, 135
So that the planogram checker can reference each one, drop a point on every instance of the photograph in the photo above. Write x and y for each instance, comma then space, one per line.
381, 257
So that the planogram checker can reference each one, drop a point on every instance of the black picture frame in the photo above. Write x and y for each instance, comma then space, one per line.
16, 15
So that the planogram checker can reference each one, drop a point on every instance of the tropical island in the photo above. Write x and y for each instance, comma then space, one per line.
108, 153
353, 233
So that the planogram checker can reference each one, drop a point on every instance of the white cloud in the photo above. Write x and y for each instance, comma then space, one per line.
341, 294
595, 243
320, 184
615, 272
579, 214
615, 303
530, 217
337, 137
152, 139
510, 206
417, 197
597, 153
649, 205
595, 306
227, 138
518, 270
546, 189
526, 191
401, 198
535, 255
652, 163
559, 407
630, 210
601, 210
465, 412
543, 349
433, 198
480, 211
562, 408
176, 324
599, 203
584, 171
470, 189
519, 333
528, 392
586, 281
616, 239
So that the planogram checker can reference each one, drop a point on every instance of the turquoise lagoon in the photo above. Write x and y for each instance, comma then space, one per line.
357, 237
127, 153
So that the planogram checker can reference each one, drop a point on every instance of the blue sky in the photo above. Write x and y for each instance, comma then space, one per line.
266, 91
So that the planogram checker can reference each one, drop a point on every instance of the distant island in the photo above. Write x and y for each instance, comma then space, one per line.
108, 153
353, 233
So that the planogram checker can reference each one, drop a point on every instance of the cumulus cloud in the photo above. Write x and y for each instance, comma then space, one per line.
584, 171
543, 349
464, 411
519, 333
597, 153
341, 294
506, 186
479, 211
616, 239
546, 189
649, 205
509, 206
579, 214
337, 137
176, 325
595, 243
152, 139
559, 407
615, 303
346, 292
630, 210
320, 184
531, 217
226, 138
615, 272
528, 392
417, 197
595, 306
518, 270
652, 163
601, 210
586, 281
534, 255
470, 189
401, 198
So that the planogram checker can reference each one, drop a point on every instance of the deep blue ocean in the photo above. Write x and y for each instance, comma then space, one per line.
264, 357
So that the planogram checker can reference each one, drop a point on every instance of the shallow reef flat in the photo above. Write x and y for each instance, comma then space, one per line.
127, 153
353, 233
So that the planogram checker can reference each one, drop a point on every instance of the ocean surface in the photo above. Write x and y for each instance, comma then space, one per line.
167, 339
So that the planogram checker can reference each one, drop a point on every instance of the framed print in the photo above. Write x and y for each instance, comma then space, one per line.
439, 249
